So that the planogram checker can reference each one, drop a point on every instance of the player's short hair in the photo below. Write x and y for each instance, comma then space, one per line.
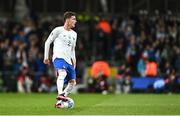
68, 14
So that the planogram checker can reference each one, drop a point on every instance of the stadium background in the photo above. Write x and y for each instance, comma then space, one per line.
137, 32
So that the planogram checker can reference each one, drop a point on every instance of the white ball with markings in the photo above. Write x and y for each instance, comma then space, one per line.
67, 104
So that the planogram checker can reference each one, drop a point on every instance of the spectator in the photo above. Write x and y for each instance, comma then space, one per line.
151, 68
141, 66
24, 81
100, 72
166, 84
123, 80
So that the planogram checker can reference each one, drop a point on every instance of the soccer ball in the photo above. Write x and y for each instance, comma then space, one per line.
70, 103
67, 104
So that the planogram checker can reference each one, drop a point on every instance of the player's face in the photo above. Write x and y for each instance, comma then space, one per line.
72, 21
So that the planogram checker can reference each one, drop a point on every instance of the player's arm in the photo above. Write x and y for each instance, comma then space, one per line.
74, 54
48, 42
74, 60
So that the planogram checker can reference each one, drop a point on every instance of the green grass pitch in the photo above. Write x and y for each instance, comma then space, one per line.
91, 104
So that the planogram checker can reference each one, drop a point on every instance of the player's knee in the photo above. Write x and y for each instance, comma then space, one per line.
72, 82
62, 74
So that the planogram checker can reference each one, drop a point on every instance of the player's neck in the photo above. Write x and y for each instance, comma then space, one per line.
67, 27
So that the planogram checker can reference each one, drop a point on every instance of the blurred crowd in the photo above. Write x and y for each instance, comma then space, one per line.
138, 40
138, 45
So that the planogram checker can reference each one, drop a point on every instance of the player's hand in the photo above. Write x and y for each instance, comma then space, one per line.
47, 61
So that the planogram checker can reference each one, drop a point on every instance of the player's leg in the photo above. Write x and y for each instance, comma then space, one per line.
62, 98
69, 87
71, 79
60, 84
61, 67
71, 76
60, 80
61, 74
67, 90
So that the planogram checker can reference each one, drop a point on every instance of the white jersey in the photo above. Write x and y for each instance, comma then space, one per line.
64, 44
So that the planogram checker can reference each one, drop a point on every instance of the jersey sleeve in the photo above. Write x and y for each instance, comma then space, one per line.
48, 42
